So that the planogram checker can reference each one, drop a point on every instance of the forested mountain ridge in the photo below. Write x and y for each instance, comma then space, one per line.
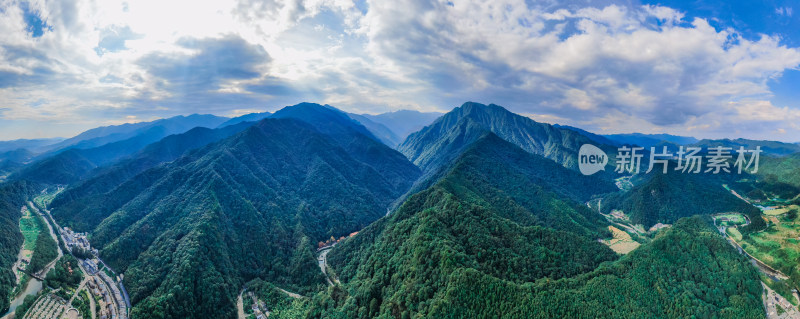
97, 192
443, 140
767, 147
189, 233
488, 212
664, 198
12, 197
688, 272
353, 137
108, 134
75, 162
489, 241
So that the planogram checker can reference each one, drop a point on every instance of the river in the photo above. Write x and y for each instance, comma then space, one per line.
34, 285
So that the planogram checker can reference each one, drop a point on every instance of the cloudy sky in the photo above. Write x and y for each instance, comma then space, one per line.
711, 68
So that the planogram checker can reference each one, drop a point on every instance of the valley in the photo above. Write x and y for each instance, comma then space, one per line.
309, 214
68, 287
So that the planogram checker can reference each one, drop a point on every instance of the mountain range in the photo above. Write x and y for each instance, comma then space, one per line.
477, 213
188, 233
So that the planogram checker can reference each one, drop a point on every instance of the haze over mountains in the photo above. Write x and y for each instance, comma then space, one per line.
480, 213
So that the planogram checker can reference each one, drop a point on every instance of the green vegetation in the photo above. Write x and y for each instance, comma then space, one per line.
82, 303
26, 305
46, 197
734, 233
453, 251
782, 287
784, 169
46, 248
75, 159
664, 198
779, 247
30, 228
279, 304
12, 197
188, 234
444, 140
61, 277
676, 276
783, 210
730, 219
89, 194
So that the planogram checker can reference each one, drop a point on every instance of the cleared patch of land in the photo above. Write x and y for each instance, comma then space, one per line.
30, 229
735, 234
730, 219
781, 210
621, 243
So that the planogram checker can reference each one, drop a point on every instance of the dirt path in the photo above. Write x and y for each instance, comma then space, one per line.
291, 294
240, 306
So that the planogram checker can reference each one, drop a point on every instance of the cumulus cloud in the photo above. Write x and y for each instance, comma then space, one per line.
610, 67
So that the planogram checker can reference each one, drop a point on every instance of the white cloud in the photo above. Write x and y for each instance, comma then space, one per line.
784, 11
598, 67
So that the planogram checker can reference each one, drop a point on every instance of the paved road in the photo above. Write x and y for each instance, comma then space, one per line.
52, 264
322, 260
772, 299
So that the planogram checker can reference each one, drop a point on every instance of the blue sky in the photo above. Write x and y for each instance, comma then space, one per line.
709, 69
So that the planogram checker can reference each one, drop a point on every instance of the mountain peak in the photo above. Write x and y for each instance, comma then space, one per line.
477, 108
325, 118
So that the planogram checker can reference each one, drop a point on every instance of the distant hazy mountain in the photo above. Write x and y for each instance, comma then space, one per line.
72, 163
96, 191
649, 140
20, 155
7, 168
109, 134
187, 234
252, 117
321, 117
449, 135
594, 137
769, 147
404, 122
379, 130
33, 145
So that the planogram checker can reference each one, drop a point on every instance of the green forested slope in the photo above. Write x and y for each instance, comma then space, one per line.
487, 213
664, 198
189, 233
442, 141
75, 158
688, 272
453, 251
12, 197
98, 194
